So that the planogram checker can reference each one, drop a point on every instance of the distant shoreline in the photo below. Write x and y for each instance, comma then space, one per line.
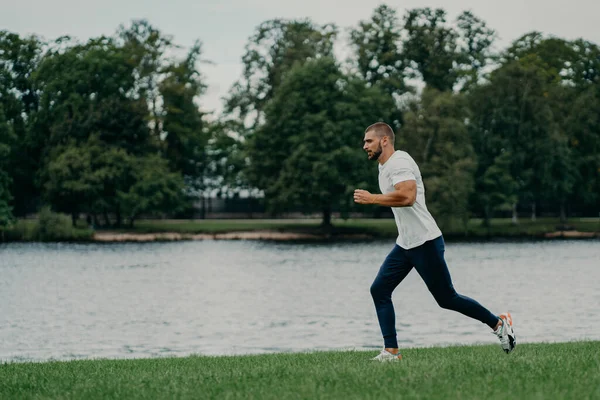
297, 230
117, 237
240, 235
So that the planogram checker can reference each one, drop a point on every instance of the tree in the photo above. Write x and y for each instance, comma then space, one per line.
557, 171
379, 56
71, 186
553, 54
436, 136
226, 158
495, 186
585, 63
431, 47
97, 134
444, 55
583, 131
145, 47
87, 89
476, 40
514, 113
19, 59
572, 68
84, 95
308, 153
185, 138
101, 180
270, 54
152, 188
571, 153
6, 140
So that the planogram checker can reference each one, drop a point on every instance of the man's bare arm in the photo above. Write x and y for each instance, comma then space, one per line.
404, 195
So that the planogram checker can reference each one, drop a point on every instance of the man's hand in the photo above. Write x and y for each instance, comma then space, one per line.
363, 197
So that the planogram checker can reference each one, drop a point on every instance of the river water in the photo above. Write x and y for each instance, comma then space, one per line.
72, 301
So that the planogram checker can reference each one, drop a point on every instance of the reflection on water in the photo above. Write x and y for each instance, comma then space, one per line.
68, 301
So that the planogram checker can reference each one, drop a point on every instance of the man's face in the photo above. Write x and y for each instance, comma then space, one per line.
372, 145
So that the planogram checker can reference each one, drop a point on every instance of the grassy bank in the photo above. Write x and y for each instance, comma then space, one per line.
29, 230
533, 371
385, 227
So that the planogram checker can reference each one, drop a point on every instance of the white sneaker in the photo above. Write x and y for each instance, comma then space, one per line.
506, 333
386, 356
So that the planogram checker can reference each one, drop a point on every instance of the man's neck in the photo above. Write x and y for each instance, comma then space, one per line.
385, 156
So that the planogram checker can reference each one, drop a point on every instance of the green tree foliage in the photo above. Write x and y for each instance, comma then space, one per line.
185, 136
443, 54
105, 180
576, 63
431, 47
308, 153
6, 142
436, 136
270, 54
476, 40
583, 130
552, 53
512, 113
85, 94
145, 47
586, 62
19, 59
377, 46
495, 187
70, 185
570, 69
85, 90
152, 189
82, 114
226, 167
113, 128
518, 112
95, 110
573, 150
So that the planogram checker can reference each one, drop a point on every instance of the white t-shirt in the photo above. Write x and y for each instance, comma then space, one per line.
415, 223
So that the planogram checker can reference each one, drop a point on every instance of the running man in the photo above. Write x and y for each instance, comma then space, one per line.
420, 244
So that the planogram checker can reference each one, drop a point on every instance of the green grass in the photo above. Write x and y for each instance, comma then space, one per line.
384, 227
24, 230
533, 371
221, 225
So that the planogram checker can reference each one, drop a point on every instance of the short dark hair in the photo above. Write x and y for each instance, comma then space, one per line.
382, 129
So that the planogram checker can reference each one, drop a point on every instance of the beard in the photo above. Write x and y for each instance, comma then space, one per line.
374, 156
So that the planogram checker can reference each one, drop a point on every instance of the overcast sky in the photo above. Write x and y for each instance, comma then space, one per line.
224, 26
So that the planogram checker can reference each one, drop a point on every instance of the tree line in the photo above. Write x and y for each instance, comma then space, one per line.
113, 128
